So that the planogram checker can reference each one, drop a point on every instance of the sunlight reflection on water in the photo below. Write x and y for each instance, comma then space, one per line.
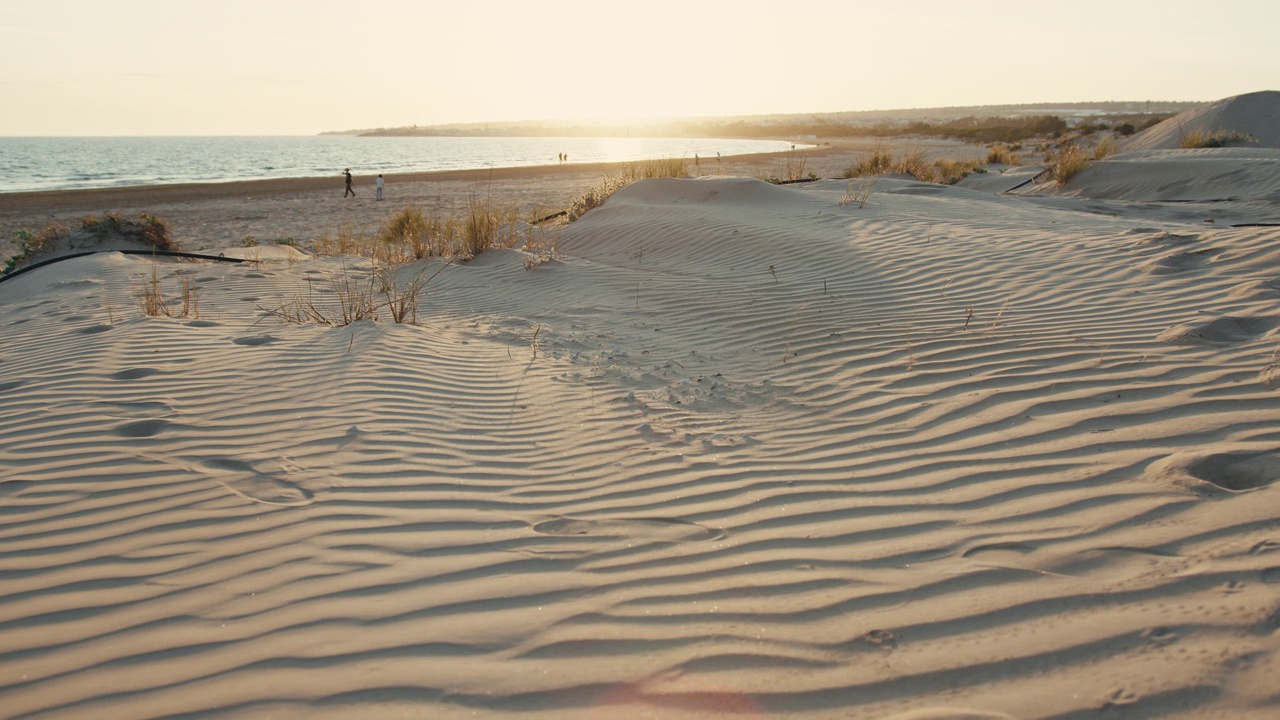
55, 163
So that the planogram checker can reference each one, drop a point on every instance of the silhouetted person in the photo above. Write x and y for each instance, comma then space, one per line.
378, 195
347, 174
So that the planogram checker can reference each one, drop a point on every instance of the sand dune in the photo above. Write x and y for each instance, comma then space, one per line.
743, 451
1253, 114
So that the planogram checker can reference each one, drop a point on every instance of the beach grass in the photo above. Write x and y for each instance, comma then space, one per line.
1066, 161
595, 196
1001, 154
1214, 139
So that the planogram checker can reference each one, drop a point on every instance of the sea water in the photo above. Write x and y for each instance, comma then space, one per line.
58, 163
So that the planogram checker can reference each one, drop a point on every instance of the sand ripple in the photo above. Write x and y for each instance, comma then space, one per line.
744, 451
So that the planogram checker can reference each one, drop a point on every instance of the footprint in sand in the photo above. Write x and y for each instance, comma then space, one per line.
1181, 262
134, 373
1259, 548
1237, 471
1227, 330
245, 480
143, 428
95, 329
1160, 637
660, 529
1019, 548
1211, 474
1120, 697
254, 340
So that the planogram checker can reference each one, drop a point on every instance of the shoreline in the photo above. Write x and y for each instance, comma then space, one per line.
303, 209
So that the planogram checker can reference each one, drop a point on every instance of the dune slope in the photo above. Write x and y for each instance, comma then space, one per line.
743, 451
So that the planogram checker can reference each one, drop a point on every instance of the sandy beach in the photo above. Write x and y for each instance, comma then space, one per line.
210, 214
868, 449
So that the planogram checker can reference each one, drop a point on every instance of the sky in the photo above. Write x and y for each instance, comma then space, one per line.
299, 67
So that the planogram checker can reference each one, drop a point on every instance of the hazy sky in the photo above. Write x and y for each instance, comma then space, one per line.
210, 67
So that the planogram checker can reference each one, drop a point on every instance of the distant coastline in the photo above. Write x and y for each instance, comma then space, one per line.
775, 126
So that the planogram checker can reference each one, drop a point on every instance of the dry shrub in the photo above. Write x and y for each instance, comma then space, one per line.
1066, 162
879, 163
1002, 155
411, 235
31, 245
915, 165
795, 166
540, 247
882, 161
1105, 148
148, 229
480, 231
1214, 139
951, 172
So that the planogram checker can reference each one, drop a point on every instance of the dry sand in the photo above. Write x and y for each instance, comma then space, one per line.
743, 451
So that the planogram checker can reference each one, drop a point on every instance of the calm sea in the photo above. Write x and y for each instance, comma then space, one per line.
56, 163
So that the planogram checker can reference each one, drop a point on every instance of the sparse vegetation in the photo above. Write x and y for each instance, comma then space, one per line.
911, 163
1066, 162
32, 245
412, 235
150, 299
795, 166
859, 195
1105, 148
1214, 139
480, 231
1002, 155
950, 172
880, 162
152, 302
190, 299
357, 298
540, 247
147, 231
597, 194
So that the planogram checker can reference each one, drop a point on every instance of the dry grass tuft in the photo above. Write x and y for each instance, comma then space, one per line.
1105, 148
881, 161
1066, 162
1002, 155
860, 194
596, 195
950, 172
1214, 139
151, 299
540, 246
358, 297
190, 299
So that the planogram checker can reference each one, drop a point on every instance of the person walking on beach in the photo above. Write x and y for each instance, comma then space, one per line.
347, 174
378, 195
